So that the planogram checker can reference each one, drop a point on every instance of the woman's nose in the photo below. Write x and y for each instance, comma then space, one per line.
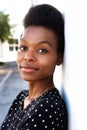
30, 56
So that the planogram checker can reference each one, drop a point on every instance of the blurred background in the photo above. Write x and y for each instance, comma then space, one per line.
71, 80
11, 15
11, 27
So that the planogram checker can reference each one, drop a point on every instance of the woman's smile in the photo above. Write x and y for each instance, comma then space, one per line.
28, 69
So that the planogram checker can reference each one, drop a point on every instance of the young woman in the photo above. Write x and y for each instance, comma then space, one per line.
41, 48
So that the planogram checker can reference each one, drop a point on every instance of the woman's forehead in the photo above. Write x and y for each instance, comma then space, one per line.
36, 33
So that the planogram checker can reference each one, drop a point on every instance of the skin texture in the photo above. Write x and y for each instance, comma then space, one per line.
36, 58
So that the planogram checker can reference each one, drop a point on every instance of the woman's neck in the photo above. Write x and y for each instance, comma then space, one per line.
36, 89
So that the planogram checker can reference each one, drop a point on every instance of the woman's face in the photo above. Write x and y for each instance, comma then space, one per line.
37, 53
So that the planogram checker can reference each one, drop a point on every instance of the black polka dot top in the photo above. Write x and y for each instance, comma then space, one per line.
48, 112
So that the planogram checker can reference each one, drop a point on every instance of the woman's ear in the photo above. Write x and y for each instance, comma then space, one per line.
59, 59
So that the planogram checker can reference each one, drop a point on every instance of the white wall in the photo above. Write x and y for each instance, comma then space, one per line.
75, 79
7, 55
75, 64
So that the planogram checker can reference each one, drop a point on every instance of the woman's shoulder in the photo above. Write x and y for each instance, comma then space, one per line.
52, 107
53, 97
18, 100
22, 94
51, 100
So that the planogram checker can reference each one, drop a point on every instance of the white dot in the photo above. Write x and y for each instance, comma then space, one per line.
39, 115
50, 116
13, 118
15, 108
57, 124
58, 108
47, 101
51, 105
62, 126
32, 119
59, 114
55, 112
30, 116
13, 126
52, 122
35, 125
62, 106
61, 120
27, 124
46, 110
35, 110
43, 120
15, 102
46, 126
57, 118
41, 105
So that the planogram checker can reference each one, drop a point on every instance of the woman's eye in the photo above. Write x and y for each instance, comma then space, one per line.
43, 50
22, 48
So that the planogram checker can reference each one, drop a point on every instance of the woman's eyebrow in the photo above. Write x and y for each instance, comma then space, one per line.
22, 39
46, 42
40, 42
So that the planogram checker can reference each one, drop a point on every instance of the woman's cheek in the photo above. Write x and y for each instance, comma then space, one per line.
19, 57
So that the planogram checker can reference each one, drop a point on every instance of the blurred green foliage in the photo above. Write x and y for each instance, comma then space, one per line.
2, 63
5, 27
12, 41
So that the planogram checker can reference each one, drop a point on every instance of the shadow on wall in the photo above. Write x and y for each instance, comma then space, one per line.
65, 98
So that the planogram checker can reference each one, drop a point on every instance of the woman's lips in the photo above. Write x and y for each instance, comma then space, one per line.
28, 69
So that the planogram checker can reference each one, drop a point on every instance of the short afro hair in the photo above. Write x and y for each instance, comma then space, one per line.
49, 17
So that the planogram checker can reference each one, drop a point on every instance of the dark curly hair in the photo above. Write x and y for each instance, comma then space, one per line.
49, 17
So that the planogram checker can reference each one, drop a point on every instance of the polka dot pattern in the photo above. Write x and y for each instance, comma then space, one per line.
46, 112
